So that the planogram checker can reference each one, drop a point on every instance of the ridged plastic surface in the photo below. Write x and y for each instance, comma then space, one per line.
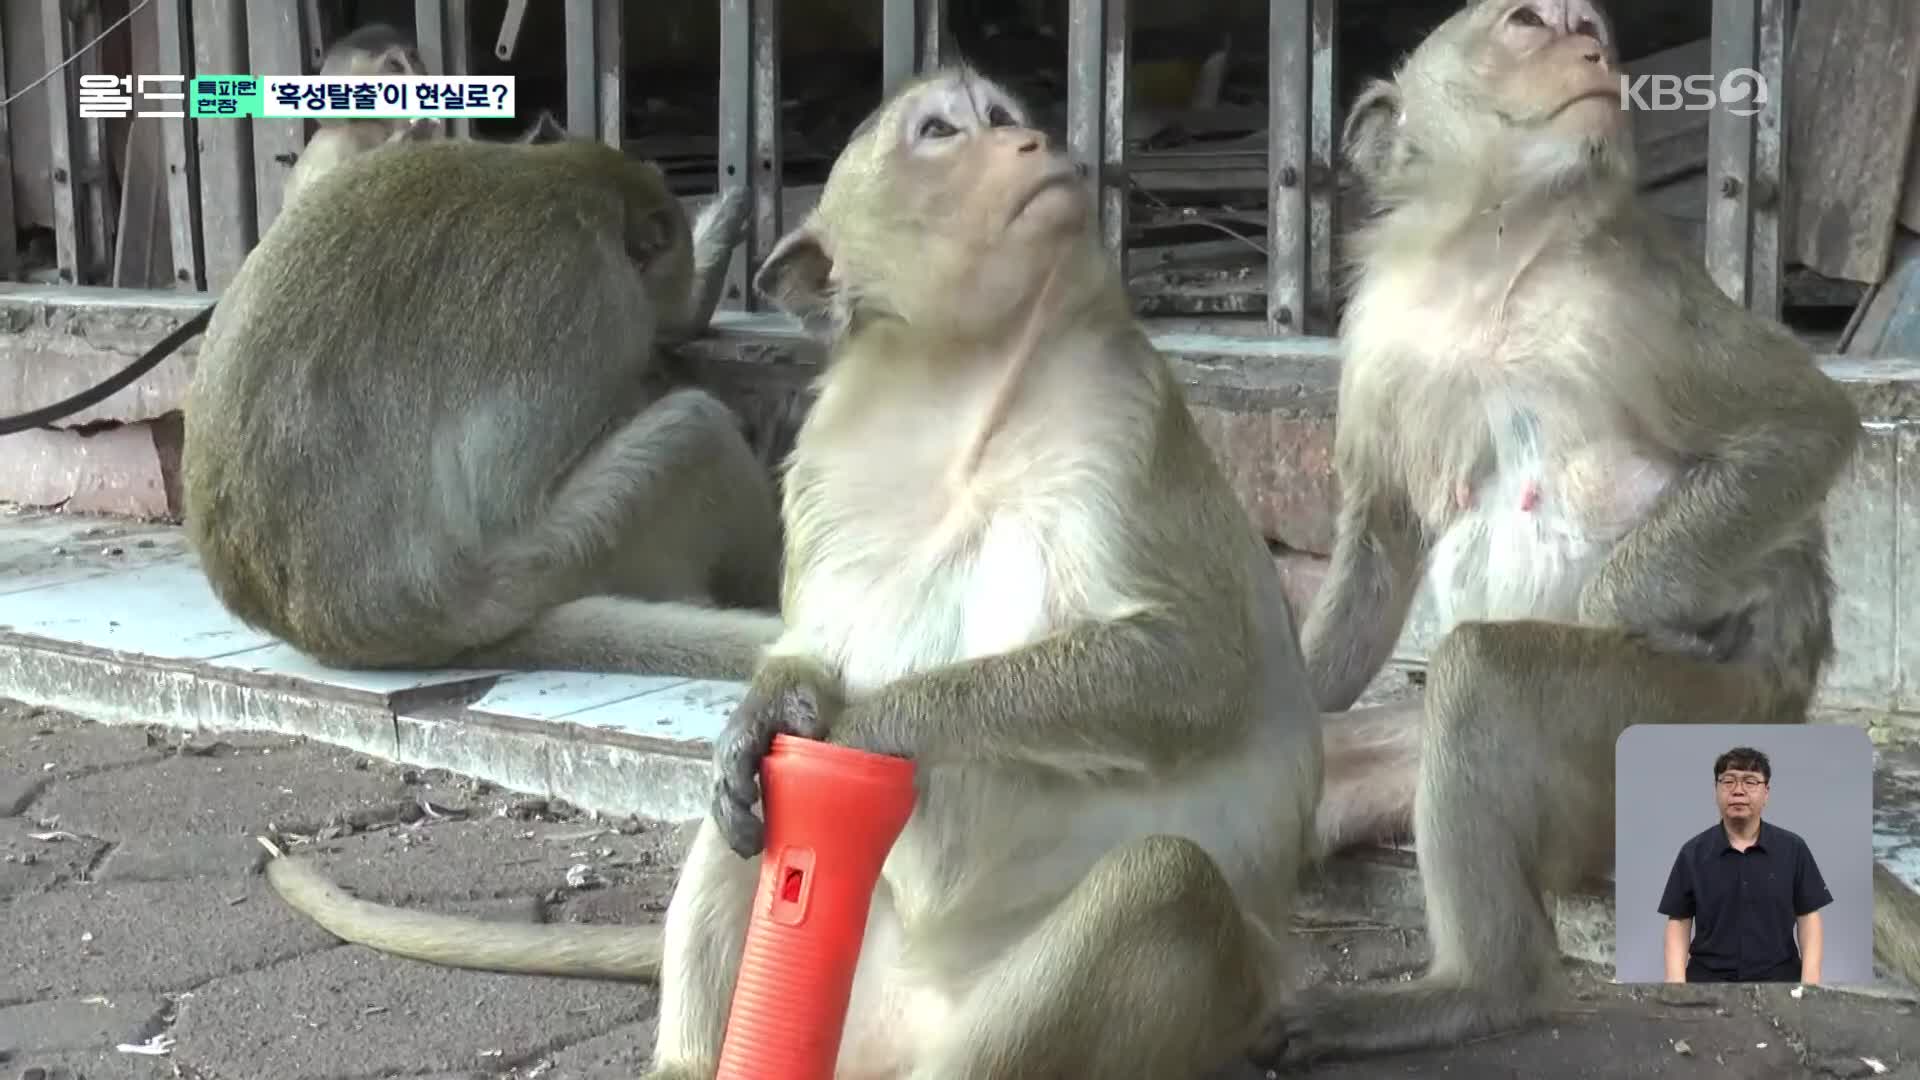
832, 816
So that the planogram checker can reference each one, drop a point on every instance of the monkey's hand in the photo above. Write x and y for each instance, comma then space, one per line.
719, 228
789, 696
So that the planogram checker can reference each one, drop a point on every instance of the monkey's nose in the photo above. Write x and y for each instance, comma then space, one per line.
1033, 144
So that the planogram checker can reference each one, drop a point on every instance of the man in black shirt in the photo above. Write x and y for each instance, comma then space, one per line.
1739, 890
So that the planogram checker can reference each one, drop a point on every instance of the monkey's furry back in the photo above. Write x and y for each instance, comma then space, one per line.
396, 373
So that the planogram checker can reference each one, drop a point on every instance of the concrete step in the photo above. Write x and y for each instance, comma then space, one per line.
116, 622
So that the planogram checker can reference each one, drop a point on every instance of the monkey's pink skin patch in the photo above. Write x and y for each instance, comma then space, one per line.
1463, 495
1530, 497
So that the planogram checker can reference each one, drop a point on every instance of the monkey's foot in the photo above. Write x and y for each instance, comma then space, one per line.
1366, 1020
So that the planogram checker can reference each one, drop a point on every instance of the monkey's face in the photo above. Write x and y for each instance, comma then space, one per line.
968, 168
946, 208
1550, 65
404, 62
1524, 93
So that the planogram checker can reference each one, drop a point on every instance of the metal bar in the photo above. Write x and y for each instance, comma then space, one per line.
1730, 139
9, 248
736, 134
228, 225
1767, 265
313, 30
1115, 97
767, 224
913, 39
610, 52
430, 34
510, 24
459, 55
60, 139
1289, 110
582, 95
140, 226
92, 167
173, 32
274, 49
899, 43
1323, 188
936, 42
1086, 66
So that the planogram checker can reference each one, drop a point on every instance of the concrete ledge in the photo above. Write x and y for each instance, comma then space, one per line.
117, 623
60, 340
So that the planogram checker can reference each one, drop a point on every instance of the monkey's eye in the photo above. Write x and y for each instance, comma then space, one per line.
933, 127
1588, 29
1526, 16
998, 116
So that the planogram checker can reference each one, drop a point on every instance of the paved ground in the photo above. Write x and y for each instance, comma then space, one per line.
138, 941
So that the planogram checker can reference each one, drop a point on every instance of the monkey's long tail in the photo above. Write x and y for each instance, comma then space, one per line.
604, 952
628, 636
1896, 924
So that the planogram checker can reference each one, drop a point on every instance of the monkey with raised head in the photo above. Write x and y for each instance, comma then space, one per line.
425, 427
1611, 475
373, 49
1011, 557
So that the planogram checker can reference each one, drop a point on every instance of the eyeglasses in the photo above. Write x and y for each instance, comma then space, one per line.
1730, 783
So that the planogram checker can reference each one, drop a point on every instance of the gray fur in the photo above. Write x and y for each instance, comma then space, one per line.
1712, 601
424, 420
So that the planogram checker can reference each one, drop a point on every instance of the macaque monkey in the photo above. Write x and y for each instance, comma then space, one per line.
1612, 476
1011, 557
424, 429
373, 49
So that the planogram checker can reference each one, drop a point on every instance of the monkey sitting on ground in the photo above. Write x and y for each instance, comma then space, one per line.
1012, 558
424, 428
1612, 474
373, 49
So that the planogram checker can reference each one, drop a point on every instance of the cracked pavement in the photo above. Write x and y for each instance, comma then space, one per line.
138, 940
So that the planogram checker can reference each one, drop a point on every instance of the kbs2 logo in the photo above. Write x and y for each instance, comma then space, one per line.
1742, 92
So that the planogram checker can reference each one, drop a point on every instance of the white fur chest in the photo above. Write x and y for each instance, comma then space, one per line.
915, 579
1503, 424
883, 608
950, 545
1538, 523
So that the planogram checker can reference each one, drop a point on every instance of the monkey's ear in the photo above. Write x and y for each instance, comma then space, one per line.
1372, 129
545, 129
653, 235
795, 276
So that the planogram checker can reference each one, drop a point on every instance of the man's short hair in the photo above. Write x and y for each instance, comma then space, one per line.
1746, 759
